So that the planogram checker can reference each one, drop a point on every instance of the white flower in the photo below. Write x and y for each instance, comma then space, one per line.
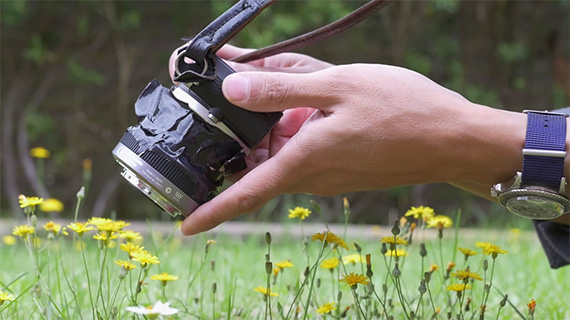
159, 309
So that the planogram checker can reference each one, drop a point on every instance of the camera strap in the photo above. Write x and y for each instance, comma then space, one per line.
227, 25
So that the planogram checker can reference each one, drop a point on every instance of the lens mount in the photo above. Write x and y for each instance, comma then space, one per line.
152, 183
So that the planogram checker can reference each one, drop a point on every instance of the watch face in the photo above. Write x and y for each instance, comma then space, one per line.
535, 207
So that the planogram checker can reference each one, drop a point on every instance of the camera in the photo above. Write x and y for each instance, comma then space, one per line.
188, 139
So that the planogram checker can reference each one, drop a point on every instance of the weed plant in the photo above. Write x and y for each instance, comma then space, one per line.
420, 268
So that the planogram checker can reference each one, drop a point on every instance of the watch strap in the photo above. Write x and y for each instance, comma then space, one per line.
544, 150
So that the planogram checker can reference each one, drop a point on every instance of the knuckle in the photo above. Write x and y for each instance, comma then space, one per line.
276, 91
249, 201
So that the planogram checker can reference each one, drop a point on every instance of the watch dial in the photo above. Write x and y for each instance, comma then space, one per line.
535, 207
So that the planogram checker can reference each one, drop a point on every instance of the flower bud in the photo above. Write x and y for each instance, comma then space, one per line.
384, 249
422, 288
268, 237
358, 248
396, 272
81, 193
268, 267
423, 251
214, 287
34, 220
485, 265
396, 228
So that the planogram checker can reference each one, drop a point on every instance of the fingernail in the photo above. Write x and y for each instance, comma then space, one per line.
236, 87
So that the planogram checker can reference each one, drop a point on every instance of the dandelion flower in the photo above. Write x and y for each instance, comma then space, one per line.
130, 247
440, 222
493, 250
391, 240
23, 231
467, 252
5, 296
299, 212
531, 306
330, 238
326, 308
79, 227
104, 237
51, 205
458, 287
353, 258
96, 221
9, 240
152, 312
265, 292
127, 265
330, 263
29, 201
284, 264
55, 228
164, 278
145, 258
353, 279
111, 226
466, 274
396, 253
131, 236
421, 212
434, 267
39, 153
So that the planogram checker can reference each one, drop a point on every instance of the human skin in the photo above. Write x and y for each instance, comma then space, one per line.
359, 127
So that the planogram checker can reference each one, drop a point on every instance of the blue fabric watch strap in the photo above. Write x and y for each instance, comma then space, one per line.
544, 149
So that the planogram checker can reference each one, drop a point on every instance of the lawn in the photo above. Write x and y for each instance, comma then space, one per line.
285, 276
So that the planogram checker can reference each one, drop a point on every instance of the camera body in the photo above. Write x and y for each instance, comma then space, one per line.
189, 137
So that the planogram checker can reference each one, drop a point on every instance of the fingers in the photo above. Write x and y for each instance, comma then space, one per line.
263, 91
247, 195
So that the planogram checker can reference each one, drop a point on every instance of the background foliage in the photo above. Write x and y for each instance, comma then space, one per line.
71, 71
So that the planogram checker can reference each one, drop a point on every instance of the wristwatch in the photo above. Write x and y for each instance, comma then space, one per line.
539, 190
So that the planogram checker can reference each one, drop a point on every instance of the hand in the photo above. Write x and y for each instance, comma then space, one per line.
359, 127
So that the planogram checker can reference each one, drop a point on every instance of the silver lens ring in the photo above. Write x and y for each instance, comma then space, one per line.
153, 184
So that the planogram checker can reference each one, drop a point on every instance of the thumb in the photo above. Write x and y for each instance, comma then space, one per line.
276, 91
250, 193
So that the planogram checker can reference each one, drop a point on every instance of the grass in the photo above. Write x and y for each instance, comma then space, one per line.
217, 280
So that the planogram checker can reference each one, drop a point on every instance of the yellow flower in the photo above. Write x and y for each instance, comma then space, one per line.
79, 227
466, 274
265, 292
164, 278
467, 252
531, 305
127, 265
284, 264
482, 245
131, 236
353, 279
5, 296
330, 263
51, 205
353, 258
104, 237
23, 231
440, 222
86, 164
111, 226
396, 253
326, 308
29, 201
434, 267
421, 212
55, 228
145, 258
330, 238
458, 287
130, 247
9, 240
299, 212
96, 221
39, 152
493, 250
391, 240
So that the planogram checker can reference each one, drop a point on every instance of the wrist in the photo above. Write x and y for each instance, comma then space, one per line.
492, 145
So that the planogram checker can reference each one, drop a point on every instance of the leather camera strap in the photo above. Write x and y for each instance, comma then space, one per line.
221, 30
316, 35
